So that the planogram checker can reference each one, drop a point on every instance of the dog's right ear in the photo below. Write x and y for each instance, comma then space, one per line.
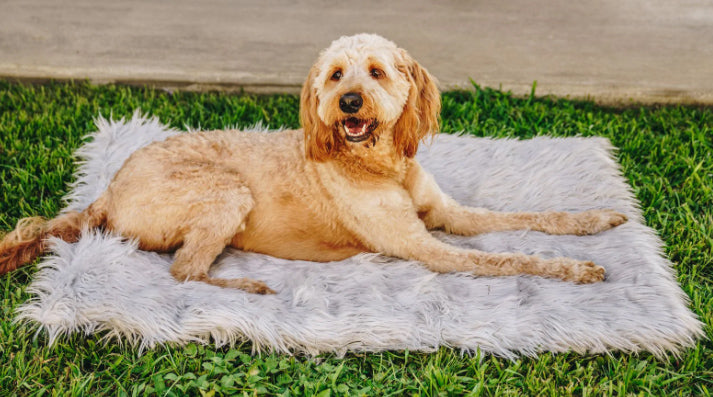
319, 140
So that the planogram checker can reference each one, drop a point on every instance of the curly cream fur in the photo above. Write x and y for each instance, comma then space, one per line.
313, 194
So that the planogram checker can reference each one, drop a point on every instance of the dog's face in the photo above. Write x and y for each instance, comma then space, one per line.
361, 88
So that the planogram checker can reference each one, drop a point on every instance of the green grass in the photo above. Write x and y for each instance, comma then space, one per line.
666, 153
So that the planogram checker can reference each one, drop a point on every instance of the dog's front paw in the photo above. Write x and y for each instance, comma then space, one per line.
597, 221
580, 272
588, 272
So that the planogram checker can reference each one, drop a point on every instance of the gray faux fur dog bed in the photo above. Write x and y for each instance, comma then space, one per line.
371, 302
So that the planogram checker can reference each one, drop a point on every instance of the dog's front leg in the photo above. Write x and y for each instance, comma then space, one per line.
438, 210
389, 224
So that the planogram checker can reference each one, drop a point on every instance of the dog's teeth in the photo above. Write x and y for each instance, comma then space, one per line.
356, 131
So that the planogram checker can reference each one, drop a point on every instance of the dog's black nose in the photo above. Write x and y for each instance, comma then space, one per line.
350, 102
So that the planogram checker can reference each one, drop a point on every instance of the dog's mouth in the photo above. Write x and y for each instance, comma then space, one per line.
358, 130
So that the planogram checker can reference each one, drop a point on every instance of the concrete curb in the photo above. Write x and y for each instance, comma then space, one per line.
639, 51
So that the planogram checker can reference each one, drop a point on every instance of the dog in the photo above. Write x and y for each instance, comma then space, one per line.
344, 184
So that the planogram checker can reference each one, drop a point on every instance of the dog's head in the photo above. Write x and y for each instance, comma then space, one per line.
361, 88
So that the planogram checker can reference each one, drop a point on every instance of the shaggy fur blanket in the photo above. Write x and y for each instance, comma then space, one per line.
104, 284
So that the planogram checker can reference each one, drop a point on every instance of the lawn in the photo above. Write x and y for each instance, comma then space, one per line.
666, 154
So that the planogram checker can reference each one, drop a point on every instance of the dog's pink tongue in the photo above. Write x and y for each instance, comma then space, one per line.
355, 126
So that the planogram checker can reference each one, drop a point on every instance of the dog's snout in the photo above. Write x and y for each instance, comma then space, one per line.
350, 102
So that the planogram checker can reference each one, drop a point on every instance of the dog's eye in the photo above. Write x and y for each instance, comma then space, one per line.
376, 73
336, 76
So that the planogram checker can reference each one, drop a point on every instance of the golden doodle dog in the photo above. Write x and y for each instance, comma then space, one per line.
344, 184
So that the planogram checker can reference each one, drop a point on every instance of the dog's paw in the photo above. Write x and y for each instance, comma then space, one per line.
597, 221
588, 272
580, 272
247, 285
265, 290
258, 287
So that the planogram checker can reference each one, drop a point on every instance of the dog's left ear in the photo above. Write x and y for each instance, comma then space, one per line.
422, 110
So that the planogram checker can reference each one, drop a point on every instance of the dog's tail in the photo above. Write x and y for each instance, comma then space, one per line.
22, 245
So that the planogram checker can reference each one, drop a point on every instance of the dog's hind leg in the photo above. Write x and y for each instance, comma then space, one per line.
210, 227
195, 206
193, 260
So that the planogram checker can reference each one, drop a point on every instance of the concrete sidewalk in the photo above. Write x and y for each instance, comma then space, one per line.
612, 50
